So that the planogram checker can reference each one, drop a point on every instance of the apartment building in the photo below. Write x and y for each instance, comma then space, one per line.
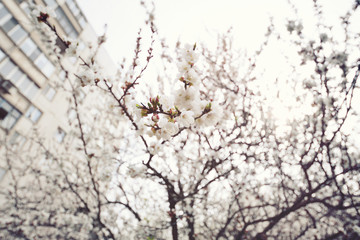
27, 97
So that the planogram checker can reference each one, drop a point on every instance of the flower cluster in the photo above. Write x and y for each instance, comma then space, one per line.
89, 74
72, 48
165, 115
163, 127
187, 69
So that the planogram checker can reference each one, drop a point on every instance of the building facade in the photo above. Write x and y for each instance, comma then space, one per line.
28, 99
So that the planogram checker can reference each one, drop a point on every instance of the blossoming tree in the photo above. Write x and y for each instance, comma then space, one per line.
208, 158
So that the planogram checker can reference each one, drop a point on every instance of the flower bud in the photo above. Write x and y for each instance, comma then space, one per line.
155, 118
208, 107
43, 17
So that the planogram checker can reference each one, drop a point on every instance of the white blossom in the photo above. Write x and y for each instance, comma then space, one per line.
186, 98
136, 171
155, 148
186, 118
167, 129
189, 54
167, 102
73, 49
213, 117
86, 77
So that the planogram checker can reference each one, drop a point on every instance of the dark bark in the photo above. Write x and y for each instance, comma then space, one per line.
173, 220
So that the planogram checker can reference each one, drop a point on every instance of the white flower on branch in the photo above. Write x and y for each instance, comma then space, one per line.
86, 77
213, 117
189, 54
136, 171
167, 102
167, 129
186, 98
186, 118
155, 148
73, 49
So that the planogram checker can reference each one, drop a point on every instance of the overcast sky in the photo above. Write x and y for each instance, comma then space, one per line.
195, 20
188, 20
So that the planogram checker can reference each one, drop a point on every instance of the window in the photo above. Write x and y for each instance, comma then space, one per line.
51, 3
31, 90
59, 135
33, 113
17, 140
44, 65
35, 54
76, 12
7, 67
17, 76
18, 34
9, 71
25, 6
82, 21
49, 92
26, 86
8, 114
40, 60
74, 9
11, 26
3, 12
29, 47
65, 23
